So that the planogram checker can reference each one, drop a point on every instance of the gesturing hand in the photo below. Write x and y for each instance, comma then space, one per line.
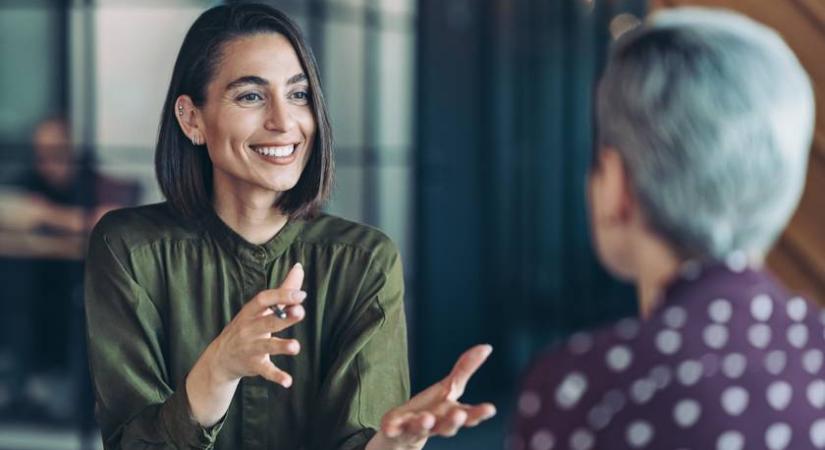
244, 346
436, 411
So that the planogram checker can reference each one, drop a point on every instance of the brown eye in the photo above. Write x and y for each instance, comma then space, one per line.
301, 96
250, 97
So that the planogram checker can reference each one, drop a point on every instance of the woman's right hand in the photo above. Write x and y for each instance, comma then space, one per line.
244, 348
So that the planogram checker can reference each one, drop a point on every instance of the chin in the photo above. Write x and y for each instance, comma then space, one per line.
617, 265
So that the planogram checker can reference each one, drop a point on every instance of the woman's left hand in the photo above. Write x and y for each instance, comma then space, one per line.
435, 411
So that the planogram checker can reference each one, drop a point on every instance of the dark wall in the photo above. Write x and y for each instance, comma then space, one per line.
504, 139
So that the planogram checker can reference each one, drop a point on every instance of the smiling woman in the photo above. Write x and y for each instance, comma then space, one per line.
185, 350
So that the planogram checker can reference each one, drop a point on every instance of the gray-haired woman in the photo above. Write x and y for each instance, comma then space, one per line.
704, 125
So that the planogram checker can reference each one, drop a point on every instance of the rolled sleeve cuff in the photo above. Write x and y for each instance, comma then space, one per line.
358, 441
182, 428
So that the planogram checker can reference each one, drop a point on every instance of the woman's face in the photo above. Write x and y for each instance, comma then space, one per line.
258, 121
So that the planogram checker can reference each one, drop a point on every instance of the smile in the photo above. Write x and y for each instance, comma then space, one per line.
282, 151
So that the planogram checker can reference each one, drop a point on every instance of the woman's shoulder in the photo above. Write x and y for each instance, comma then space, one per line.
334, 231
142, 224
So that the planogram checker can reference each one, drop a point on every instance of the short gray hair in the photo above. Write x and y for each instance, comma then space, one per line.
713, 117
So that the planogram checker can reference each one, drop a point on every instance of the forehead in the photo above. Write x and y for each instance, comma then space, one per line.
267, 55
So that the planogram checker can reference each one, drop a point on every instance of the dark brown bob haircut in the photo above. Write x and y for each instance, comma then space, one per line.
184, 171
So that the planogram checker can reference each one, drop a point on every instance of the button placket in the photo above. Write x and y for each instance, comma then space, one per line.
260, 255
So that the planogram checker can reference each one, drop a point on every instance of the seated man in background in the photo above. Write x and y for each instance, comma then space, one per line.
44, 217
59, 194
704, 122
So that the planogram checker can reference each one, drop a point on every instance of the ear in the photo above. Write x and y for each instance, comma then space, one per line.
613, 189
190, 120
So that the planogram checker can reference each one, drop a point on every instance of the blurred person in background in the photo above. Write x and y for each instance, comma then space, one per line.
45, 214
60, 194
704, 123
235, 314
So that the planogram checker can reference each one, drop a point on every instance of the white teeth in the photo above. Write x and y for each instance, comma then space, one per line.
278, 152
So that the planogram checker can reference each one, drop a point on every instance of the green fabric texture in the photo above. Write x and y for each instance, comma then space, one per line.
160, 289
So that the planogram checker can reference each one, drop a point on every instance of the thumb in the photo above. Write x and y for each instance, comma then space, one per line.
294, 278
467, 365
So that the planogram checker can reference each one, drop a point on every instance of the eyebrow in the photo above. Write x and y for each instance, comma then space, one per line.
252, 79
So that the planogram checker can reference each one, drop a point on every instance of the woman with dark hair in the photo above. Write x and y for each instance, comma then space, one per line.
191, 341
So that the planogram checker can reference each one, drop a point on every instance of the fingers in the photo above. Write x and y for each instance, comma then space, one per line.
294, 278
274, 374
276, 346
408, 426
479, 413
451, 387
271, 297
271, 323
449, 424
287, 294
444, 419
467, 364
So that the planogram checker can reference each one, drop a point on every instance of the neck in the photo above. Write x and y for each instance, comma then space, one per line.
657, 266
252, 216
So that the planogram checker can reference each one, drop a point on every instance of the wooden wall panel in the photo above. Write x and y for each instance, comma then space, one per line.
799, 256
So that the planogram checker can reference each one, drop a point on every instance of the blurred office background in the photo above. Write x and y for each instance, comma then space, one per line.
463, 129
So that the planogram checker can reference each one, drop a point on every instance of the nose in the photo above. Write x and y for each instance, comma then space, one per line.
279, 117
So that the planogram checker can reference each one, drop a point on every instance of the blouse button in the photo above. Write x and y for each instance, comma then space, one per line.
260, 254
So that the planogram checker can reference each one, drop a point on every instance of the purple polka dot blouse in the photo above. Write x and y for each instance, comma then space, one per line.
728, 360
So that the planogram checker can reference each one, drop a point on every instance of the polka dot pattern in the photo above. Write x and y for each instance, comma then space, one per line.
619, 358
571, 390
689, 372
675, 317
580, 343
775, 362
734, 400
812, 361
581, 439
730, 440
668, 341
529, 404
542, 440
720, 310
705, 370
639, 434
734, 365
715, 336
817, 433
761, 307
686, 413
778, 436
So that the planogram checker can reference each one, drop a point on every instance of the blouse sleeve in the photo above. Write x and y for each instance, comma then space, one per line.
137, 405
369, 374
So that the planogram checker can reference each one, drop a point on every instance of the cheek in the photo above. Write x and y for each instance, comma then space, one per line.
607, 239
306, 121
232, 127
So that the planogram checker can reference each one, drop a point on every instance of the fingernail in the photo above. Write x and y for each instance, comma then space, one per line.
298, 295
287, 383
293, 347
298, 266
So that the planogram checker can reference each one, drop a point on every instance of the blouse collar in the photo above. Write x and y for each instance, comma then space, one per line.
236, 244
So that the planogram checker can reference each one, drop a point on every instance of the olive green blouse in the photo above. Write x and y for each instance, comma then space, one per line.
159, 289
